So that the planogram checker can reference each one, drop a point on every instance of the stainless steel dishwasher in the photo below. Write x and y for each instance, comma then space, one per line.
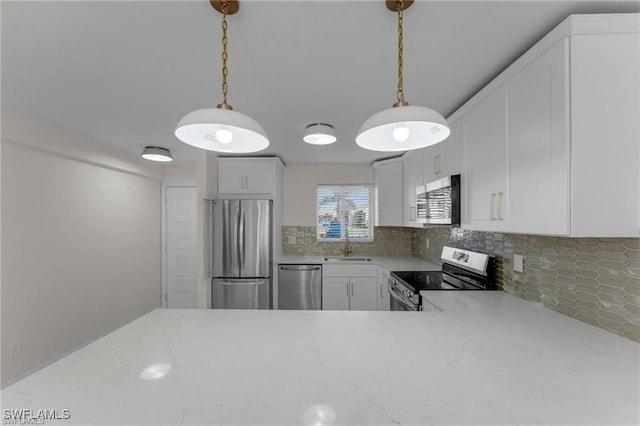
300, 287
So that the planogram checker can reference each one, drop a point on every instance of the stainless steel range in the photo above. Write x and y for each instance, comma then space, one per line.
461, 270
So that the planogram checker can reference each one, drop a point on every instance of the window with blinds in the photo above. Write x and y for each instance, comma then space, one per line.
344, 208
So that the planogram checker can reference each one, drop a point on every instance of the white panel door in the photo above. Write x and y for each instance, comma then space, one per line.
335, 294
539, 145
388, 184
484, 177
364, 294
412, 176
181, 247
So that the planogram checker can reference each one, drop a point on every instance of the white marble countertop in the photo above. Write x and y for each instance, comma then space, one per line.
488, 358
394, 263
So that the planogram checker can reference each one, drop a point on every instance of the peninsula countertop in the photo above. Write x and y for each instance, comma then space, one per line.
492, 359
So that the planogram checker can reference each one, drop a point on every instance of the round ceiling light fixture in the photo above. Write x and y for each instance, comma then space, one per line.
222, 129
402, 127
319, 134
157, 153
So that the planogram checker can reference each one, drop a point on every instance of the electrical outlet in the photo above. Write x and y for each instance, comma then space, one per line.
293, 239
15, 348
518, 263
428, 243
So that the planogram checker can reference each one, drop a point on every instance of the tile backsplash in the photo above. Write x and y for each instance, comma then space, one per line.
595, 280
387, 240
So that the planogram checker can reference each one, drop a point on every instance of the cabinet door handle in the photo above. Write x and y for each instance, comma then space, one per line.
380, 291
352, 289
493, 199
246, 182
500, 206
436, 165
412, 214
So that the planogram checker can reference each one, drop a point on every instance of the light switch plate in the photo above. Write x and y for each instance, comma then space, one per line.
518, 263
292, 239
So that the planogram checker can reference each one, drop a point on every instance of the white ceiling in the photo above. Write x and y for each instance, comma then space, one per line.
126, 72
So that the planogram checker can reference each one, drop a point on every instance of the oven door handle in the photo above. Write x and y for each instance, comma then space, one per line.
401, 300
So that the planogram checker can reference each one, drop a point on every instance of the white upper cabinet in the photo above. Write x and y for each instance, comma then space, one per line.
388, 192
605, 131
484, 177
412, 177
551, 146
443, 159
237, 176
538, 145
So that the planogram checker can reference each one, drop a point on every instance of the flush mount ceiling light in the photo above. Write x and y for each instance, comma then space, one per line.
222, 129
403, 127
319, 134
157, 153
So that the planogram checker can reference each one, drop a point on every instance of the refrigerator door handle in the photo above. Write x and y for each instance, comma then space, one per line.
241, 241
233, 281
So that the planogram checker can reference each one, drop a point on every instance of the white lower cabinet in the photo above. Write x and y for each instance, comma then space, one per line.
383, 288
349, 287
336, 294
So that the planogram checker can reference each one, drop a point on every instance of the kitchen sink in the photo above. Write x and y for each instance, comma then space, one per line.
347, 259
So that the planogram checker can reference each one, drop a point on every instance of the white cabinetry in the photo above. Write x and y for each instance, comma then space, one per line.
551, 145
443, 159
484, 152
349, 287
515, 152
412, 176
388, 192
605, 134
537, 200
383, 288
246, 175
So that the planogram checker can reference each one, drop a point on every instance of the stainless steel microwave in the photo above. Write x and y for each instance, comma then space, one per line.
438, 202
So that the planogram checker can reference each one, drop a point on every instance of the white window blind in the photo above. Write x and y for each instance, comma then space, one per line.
344, 208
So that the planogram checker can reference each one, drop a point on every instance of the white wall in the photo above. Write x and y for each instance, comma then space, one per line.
299, 188
81, 252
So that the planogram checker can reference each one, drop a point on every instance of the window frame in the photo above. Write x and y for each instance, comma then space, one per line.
368, 211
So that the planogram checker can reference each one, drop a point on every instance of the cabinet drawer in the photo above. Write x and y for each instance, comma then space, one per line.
349, 270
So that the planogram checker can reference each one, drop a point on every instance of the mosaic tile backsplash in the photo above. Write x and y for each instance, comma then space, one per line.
387, 240
595, 280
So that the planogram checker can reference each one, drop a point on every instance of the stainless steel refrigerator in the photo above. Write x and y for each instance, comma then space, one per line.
241, 258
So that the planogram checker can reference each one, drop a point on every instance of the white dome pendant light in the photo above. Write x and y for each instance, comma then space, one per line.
403, 127
222, 129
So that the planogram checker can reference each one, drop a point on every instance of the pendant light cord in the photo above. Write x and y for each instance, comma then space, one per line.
225, 8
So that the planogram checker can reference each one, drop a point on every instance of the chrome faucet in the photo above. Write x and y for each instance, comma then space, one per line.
347, 245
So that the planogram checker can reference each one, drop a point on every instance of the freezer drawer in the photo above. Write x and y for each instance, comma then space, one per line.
300, 287
241, 293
